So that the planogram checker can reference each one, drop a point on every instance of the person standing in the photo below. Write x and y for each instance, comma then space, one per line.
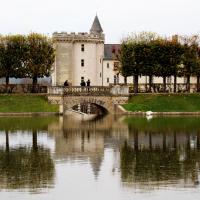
88, 83
82, 83
66, 83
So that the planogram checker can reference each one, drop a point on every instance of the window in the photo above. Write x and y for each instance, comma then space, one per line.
107, 65
82, 63
107, 80
100, 74
82, 47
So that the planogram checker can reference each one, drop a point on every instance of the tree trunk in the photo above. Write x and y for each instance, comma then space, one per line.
175, 82
175, 140
150, 140
198, 84
35, 146
7, 83
136, 140
135, 79
188, 83
150, 82
146, 85
164, 84
125, 80
7, 141
164, 142
198, 140
34, 84
7, 80
188, 141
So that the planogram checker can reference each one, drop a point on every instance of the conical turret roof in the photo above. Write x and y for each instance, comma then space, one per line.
96, 26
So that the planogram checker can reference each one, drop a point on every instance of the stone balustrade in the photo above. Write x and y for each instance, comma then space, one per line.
88, 91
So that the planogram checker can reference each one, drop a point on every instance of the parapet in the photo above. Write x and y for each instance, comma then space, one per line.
78, 37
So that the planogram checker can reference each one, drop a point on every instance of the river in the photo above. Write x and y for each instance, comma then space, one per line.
114, 157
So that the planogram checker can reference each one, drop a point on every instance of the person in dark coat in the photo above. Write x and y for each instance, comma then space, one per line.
83, 83
66, 83
88, 82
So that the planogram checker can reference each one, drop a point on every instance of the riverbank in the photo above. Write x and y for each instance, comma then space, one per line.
26, 104
164, 104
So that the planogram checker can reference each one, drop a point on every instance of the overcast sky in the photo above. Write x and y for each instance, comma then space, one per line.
117, 17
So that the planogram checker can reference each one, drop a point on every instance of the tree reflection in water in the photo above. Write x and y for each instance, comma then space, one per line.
26, 167
165, 164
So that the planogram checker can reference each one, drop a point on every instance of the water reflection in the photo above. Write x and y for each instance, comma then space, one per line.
85, 141
36, 153
161, 152
25, 167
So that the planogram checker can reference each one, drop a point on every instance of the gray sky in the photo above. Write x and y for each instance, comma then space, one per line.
118, 18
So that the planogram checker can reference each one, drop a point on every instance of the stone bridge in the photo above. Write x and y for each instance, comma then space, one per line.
107, 98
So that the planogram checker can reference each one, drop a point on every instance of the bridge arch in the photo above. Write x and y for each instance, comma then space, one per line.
102, 105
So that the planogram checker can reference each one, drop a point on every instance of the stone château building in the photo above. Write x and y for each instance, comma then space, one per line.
85, 56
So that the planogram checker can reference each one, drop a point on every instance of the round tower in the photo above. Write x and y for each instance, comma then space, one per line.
79, 57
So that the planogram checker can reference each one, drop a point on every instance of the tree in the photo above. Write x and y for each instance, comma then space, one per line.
162, 61
168, 54
131, 58
128, 65
198, 71
12, 52
137, 58
190, 58
147, 61
40, 57
175, 51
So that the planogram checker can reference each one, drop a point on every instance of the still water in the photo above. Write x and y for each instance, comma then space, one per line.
119, 158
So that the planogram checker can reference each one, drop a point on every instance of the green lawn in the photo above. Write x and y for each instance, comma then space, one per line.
164, 103
26, 103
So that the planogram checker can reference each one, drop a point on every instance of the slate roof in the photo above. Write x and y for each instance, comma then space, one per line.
96, 26
111, 51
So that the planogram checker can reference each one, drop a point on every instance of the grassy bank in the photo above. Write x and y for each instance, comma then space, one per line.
25, 103
164, 103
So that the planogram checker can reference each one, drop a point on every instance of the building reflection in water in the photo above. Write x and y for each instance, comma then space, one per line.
86, 141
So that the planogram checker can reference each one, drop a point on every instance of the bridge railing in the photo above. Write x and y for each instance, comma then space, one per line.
89, 91
92, 90
80, 91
